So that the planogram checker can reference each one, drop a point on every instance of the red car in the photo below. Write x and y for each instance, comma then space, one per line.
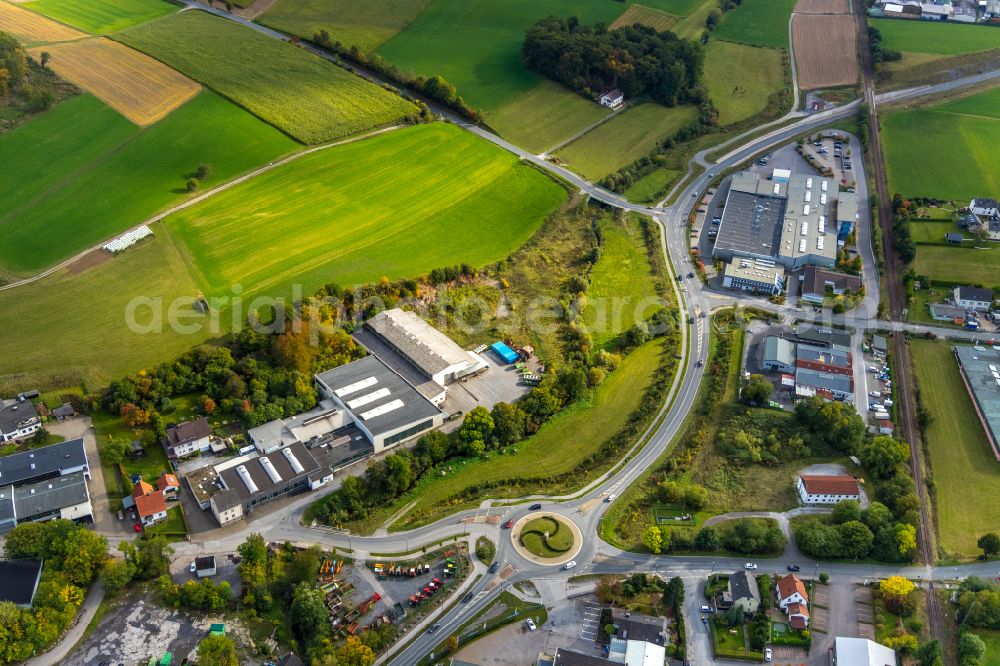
137, 527
509, 524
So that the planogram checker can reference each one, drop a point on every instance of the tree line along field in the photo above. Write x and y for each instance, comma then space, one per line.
366, 25
966, 475
741, 79
101, 17
80, 173
626, 137
394, 205
947, 150
306, 97
478, 208
757, 22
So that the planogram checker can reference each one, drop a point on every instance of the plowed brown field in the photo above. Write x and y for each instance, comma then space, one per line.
825, 50
140, 88
32, 27
821, 7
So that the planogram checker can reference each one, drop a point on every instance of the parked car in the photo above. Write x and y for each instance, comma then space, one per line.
534, 507
530, 624
767, 654
793, 567
570, 564
494, 567
875, 394
750, 566
707, 609
193, 567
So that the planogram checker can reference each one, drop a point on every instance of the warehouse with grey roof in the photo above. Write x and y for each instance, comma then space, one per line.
980, 367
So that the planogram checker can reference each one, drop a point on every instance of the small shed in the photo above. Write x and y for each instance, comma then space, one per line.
505, 352
136, 449
953, 238
879, 346
205, 566
64, 411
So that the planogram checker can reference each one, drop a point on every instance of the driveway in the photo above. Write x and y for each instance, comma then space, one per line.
105, 522
840, 617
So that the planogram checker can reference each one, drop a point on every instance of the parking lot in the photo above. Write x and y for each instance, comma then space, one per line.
831, 153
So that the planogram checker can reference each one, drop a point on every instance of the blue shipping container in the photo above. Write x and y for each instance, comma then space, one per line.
505, 352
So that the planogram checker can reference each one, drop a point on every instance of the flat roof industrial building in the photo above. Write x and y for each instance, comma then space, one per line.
259, 479
785, 220
980, 368
761, 276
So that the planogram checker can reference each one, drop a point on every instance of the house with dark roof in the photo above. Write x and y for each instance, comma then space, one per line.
64, 411
290, 659
973, 298
60, 497
18, 419
613, 99
226, 506
741, 592
45, 462
816, 281
19, 581
984, 208
827, 489
188, 437
205, 566
779, 354
824, 359
821, 336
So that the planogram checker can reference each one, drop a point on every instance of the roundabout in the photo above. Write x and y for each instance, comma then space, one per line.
546, 538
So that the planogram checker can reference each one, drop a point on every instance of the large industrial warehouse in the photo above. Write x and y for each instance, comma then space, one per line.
785, 220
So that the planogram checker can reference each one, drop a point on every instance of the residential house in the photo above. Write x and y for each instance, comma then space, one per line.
168, 484
791, 590
779, 354
226, 506
187, 438
18, 419
861, 652
973, 298
150, 505
742, 592
613, 99
985, 208
19, 580
815, 282
823, 489
290, 659
798, 616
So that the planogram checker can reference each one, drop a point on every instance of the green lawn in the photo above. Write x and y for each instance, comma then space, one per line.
933, 231
947, 150
477, 45
544, 116
935, 37
562, 443
621, 286
546, 537
631, 134
966, 475
741, 78
395, 205
80, 173
301, 94
992, 640
362, 24
101, 17
757, 22
652, 187
959, 265
173, 527
67, 328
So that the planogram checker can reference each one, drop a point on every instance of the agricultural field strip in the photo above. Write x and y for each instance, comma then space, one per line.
825, 50
198, 199
33, 27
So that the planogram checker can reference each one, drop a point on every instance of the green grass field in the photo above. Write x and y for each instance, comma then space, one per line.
564, 441
933, 231
80, 173
741, 78
544, 116
362, 24
101, 17
301, 94
621, 285
935, 37
757, 22
960, 265
395, 205
70, 328
947, 150
650, 188
631, 134
966, 475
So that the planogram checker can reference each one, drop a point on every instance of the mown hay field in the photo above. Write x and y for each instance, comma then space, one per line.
34, 28
142, 89
741, 79
757, 22
631, 134
674, 7
80, 173
101, 17
653, 18
393, 205
366, 25
825, 50
305, 96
